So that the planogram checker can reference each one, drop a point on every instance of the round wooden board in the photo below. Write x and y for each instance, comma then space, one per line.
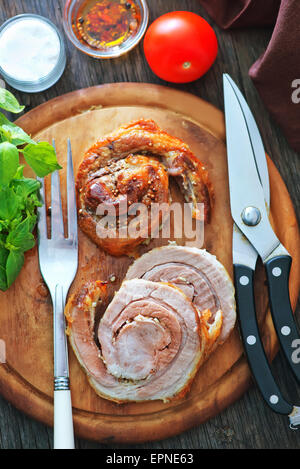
26, 310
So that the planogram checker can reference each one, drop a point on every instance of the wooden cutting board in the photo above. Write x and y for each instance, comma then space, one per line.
26, 310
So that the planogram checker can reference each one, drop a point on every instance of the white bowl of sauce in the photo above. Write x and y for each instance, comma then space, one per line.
32, 53
105, 29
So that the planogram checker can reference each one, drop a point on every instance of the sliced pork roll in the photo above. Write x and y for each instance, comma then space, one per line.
200, 276
124, 166
112, 192
148, 345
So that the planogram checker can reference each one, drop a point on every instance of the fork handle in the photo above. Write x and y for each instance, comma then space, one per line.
63, 421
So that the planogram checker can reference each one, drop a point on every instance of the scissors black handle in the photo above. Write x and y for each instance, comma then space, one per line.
278, 272
252, 342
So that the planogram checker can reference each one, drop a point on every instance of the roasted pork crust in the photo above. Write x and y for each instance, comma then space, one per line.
144, 140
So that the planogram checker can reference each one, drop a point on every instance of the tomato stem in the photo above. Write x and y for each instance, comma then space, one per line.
186, 65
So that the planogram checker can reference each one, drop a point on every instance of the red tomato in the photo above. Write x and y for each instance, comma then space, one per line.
180, 46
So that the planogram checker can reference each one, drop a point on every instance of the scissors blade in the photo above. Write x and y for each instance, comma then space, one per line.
243, 252
244, 180
256, 141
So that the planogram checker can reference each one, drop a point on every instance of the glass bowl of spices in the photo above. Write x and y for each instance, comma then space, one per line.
105, 29
32, 53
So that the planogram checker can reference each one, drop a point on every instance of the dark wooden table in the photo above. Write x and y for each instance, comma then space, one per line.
248, 423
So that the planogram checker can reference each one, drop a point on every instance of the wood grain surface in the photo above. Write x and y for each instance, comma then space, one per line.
83, 116
247, 423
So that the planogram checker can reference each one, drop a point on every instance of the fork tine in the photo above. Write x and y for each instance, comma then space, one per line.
72, 213
42, 220
57, 222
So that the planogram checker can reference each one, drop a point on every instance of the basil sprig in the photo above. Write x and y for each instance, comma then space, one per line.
19, 196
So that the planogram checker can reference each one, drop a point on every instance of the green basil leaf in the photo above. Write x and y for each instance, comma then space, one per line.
32, 219
31, 203
3, 281
14, 264
3, 119
19, 172
12, 132
9, 162
9, 203
21, 237
41, 157
17, 135
5, 135
3, 259
9, 102
26, 186
3, 256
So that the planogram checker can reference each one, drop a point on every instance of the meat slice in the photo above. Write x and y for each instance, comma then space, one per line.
133, 165
200, 276
149, 343
110, 195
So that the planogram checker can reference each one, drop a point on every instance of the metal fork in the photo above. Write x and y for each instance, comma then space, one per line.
58, 260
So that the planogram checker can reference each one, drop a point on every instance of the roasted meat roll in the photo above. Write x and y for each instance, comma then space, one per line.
133, 164
148, 344
116, 188
202, 278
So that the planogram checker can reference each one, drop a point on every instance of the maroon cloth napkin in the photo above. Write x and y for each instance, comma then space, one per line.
276, 73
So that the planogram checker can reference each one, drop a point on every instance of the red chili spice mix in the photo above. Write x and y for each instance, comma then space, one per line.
103, 24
